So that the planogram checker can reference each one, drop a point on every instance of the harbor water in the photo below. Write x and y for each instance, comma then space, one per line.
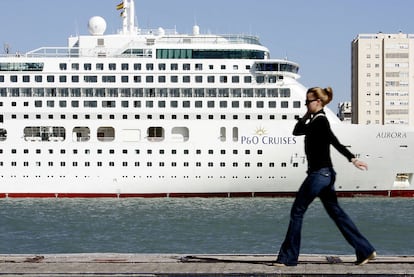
195, 225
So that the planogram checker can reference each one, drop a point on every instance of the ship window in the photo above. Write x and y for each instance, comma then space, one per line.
161, 66
248, 92
223, 104
106, 133
223, 79
284, 92
174, 104
180, 133
222, 133
186, 66
155, 134
87, 66
284, 104
247, 79
13, 78
223, 66
186, 79
38, 78
108, 79
3, 134
235, 134
90, 104
149, 66
260, 92
90, 78
149, 79
75, 104
247, 104
186, 104
124, 66
236, 92
161, 79
137, 66
161, 104
50, 78
210, 79
174, 66
247, 164
75, 66
26, 78
198, 104
38, 103
296, 104
272, 104
235, 79
124, 79
44, 133
272, 92
149, 104
81, 134
137, 79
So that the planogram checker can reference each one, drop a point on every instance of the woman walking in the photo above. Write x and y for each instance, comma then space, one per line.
320, 181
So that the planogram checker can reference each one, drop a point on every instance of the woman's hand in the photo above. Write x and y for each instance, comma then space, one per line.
359, 164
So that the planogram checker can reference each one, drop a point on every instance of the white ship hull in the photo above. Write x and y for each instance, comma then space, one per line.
150, 114
387, 150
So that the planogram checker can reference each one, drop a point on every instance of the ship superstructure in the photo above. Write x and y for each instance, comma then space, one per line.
155, 113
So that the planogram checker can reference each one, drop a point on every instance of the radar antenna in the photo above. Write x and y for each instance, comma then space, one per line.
6, 48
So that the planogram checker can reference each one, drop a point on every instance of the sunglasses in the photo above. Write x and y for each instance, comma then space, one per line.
307, 102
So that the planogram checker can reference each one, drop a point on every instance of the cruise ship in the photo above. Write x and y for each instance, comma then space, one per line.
155, 113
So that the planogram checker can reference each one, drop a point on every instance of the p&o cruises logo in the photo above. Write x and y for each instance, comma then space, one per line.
261, 137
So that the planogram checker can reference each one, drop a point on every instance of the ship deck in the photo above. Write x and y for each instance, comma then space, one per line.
113, 264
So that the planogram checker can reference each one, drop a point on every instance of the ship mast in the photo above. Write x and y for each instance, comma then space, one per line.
128, 15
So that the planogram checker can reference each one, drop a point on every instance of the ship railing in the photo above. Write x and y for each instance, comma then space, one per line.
171, 35
54, 52
216, 39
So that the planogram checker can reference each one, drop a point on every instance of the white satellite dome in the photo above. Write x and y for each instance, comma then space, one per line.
97, 26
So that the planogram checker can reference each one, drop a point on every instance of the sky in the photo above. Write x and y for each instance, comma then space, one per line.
316, 34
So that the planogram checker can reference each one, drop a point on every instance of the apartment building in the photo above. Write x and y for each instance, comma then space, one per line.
381, 74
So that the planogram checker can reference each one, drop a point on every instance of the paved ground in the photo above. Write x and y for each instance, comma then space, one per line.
102, 264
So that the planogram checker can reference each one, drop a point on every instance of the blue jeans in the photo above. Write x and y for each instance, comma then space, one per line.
320, 184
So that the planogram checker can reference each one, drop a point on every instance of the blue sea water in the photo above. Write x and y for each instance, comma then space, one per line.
195, 225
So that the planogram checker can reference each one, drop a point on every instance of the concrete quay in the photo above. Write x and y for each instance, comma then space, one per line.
115, 264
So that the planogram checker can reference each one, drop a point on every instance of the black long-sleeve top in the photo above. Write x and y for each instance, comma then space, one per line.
318, 138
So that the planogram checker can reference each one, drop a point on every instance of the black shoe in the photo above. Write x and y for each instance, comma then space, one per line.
366, 260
